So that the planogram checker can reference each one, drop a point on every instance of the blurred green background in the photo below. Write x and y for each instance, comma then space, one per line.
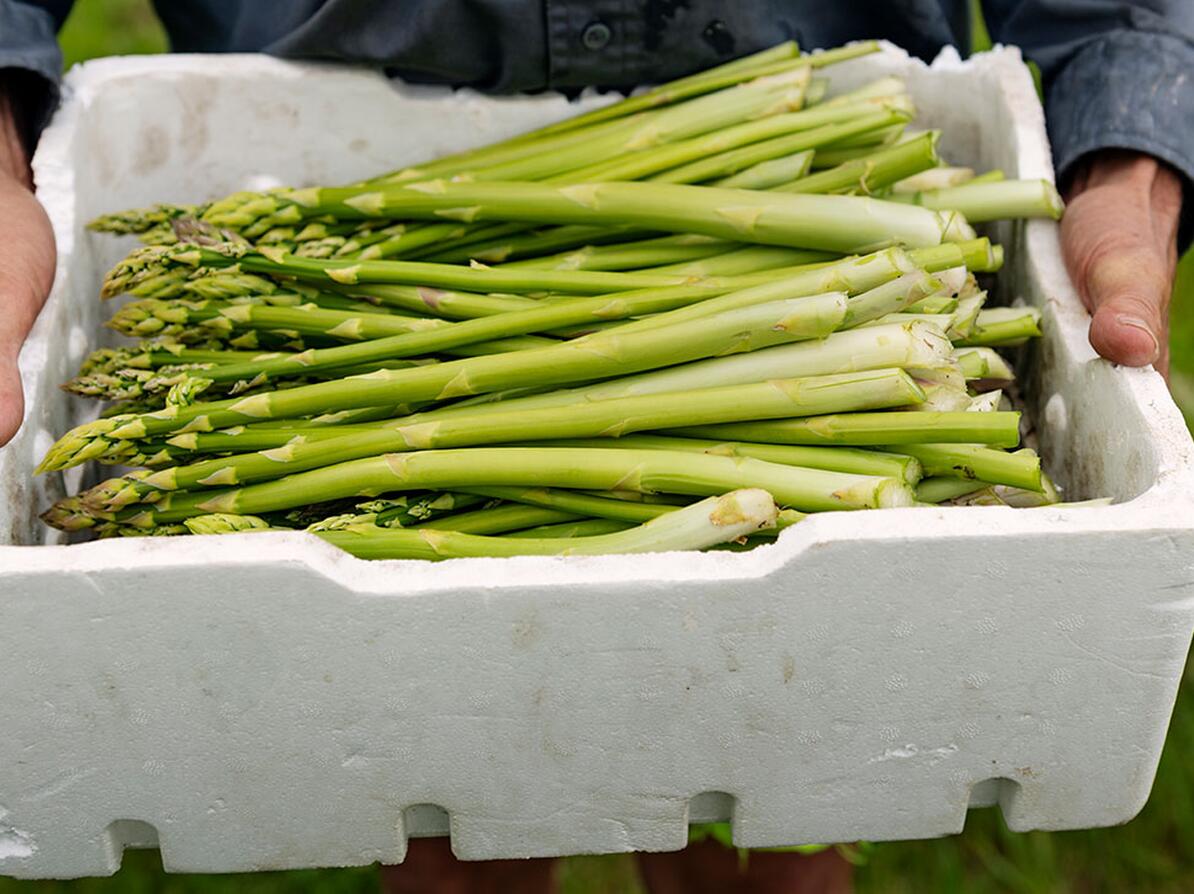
1154, 853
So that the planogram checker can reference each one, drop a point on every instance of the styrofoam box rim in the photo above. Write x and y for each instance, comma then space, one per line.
1166, 504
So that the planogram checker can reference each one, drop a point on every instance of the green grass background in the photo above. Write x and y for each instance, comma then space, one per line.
1154, 853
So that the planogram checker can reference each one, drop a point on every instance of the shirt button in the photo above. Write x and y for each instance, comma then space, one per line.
596, 36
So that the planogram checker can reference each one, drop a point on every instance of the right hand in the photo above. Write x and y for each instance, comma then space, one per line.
26, 265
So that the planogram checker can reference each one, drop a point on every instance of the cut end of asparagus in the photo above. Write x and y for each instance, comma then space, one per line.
751, 508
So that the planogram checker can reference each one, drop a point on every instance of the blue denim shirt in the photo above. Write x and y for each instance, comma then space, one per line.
1116, 73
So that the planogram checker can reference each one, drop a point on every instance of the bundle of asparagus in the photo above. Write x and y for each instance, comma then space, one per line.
683, 320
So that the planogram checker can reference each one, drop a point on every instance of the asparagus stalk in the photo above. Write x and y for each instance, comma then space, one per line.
226, 523
984, 201
161, 271
446, 304
902, 346
780, 398
834, 223
524, 243
942, 489
934, 178
585, 359
793, 130
941, 303
696, 84
736, 150
752, 259
852, 276
712, 79
770, 173
983, 363
632, 255
1003, 327
808, 490
255, 213
576, 503
588, 527
977, 463
817, 317
906, 161
403, 511
150, 316
762, 98
704, 524
997, 429
497, 520
831, 459
871, 173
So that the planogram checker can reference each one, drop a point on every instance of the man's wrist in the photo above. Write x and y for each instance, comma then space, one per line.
14, 154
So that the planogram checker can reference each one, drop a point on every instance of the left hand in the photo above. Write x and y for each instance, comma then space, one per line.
1119, 237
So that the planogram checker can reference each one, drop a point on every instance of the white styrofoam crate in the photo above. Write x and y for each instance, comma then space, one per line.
263, 701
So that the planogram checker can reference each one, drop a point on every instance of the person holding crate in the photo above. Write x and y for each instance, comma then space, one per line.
1120, 111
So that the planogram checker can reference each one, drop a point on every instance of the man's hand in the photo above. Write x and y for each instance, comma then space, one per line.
1119, 236
26, 264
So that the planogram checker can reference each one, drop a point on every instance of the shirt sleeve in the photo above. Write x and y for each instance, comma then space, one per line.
1117, 74
30, 60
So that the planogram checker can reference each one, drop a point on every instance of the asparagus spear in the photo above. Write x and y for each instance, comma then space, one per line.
996, 429
162, 272
443, 336
985, 201
904, 346
631, 255
983, 363
497, 520
831, 459
1003, 327
589, 527
977, 463
585, 359
706, 81
934, 178
872, 172
709, 522
576, 503
779, 398
770, 173
809, 490
833, 223
734, 148
734, 152
882, 290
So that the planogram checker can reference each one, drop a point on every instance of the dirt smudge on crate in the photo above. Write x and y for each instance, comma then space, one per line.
526, 631
195, 108
153, 149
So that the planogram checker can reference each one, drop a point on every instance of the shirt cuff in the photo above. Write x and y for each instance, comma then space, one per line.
1127, 90
30, 64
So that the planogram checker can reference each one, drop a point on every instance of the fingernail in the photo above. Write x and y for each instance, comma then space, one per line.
1137, 323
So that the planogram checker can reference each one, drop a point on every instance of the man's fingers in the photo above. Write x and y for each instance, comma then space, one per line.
1130, 310
1118, 238
1124, 280
12, 401
26, 273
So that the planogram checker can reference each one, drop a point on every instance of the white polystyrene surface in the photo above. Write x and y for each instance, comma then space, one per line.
263, 701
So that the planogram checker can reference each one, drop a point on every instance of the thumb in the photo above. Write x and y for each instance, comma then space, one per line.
1129, 306
1118, 236
12, 399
